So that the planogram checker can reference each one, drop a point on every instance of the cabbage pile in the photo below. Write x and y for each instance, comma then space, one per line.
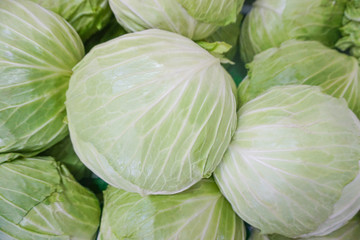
175, 119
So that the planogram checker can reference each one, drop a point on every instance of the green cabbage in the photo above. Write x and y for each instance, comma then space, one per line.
151, 112
351, 231
200, 212
292, 167
304, 62
86, 16
37, 52
64, 152
40, 200
193, 19
272, 22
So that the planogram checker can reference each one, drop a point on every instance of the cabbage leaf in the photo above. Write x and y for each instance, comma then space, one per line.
200, 212
86, 16
195, 19
40, 200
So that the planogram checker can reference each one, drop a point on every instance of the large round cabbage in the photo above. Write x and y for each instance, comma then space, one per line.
304, 62
37, 52
195, 19
200, 212
86, 16
151, 112
272, 22
40, 200
292, 166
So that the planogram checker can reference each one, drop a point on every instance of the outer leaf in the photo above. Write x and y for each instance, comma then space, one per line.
40, 200
37, 52
200, 212
169, 15
344, 209
294, 152
272, 22
350, 231
221, 12
304, 62
151, 112
217, 49
229, 34
86, 16
64, 152
351, 29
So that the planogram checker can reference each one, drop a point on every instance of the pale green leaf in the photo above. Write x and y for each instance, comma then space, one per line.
350, 30
351, 231
40, 200
86, 16
200, 212
220, 12
170, 15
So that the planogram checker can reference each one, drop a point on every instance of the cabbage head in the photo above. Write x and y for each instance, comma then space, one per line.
64, 152
37, 52
151, 112
304, 62
40, 200
350, 231
86, 16
200, 212
195, 19
292, 167
271, 22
